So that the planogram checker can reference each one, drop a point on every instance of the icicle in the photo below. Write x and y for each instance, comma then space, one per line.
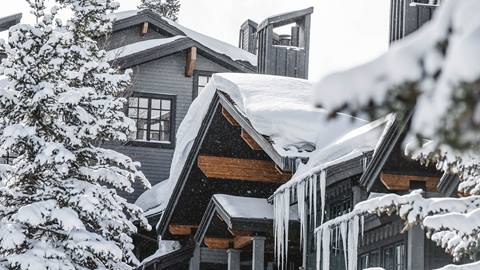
319, 248
281, 221
362, 223
365, 163
315, 202
353, 232
323, 186
326, 248
344, 232
302, 213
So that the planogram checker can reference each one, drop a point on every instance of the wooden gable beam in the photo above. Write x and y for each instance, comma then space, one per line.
144, 30
181, 229
402, 182
241, 241
191, 62
241, 169
217, 243
229, 117
250, 141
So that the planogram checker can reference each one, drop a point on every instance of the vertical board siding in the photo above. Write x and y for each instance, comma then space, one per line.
163, 76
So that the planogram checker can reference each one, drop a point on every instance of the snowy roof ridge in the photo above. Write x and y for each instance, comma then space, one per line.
277, 107
221, 47
352, 145
140, 46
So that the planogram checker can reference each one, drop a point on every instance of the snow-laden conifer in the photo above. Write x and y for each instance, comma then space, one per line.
166, 8
59, 207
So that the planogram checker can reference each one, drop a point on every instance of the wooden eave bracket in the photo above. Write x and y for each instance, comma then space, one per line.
191, 61
182, 229
402, 182
144, 30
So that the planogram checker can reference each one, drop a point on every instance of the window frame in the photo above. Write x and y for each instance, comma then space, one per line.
196, 75
173, 110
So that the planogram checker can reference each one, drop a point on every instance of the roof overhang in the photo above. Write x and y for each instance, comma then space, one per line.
219, 99
7, 22
286, 18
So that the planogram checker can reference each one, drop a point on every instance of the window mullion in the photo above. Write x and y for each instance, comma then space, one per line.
149, 118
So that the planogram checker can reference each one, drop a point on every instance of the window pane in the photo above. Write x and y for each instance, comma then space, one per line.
155, 127
154, 136
400, 256
143, 113
203, 80
166, 104
143, 103
132, 113
388, 258
374, 259
156, 104
165, 115
165, 125
142, 135
133, 102
165, 137
142, 124
155, 114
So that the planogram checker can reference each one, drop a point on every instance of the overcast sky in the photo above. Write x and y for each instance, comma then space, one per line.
345, 33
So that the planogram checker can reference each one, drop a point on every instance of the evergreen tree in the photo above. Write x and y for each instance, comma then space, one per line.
166, 8
59, 208
432, 79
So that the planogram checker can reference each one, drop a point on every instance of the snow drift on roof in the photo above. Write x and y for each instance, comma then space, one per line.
138, 47
352, 145
155, 200
216, 45
241, 207
278, 107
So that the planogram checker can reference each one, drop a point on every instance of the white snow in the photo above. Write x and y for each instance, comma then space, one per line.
138, 47
216, 45
155, 200
246, 207
164, 248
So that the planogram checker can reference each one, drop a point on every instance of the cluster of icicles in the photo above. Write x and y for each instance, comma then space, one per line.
346, 226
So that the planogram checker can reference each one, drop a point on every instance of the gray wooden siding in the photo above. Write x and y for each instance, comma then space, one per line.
131, 35
163, 76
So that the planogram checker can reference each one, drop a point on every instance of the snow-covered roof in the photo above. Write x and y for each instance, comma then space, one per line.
139, 47
248, 208
277, 107
154, 200
352, 145
241, 207
216, 45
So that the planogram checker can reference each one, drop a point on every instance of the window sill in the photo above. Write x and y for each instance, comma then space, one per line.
164, 145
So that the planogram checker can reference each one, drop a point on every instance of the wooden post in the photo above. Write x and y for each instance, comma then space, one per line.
195, 260
416, 248
144, 29
233, 259
258, 260
191, 62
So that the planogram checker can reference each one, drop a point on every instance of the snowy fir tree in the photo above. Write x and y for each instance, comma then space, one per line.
432, 80
166, 8
59, 207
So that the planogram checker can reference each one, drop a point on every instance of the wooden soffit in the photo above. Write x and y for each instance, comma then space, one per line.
402, 182
241, 169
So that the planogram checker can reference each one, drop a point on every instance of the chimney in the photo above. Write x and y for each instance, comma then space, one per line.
248, 36
285, 55
407, 16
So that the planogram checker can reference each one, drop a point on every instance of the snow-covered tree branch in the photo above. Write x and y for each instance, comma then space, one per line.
59, 204
166, 8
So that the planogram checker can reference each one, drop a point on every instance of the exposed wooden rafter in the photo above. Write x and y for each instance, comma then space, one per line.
229, 118
191, 61
144, 28
217, 243
241, 241
250, 141
182, 229
402, 182
241, 169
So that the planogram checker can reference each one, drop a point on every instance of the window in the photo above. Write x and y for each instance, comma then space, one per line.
154, 118
392, 258
340, 208
201, 79
8, 159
